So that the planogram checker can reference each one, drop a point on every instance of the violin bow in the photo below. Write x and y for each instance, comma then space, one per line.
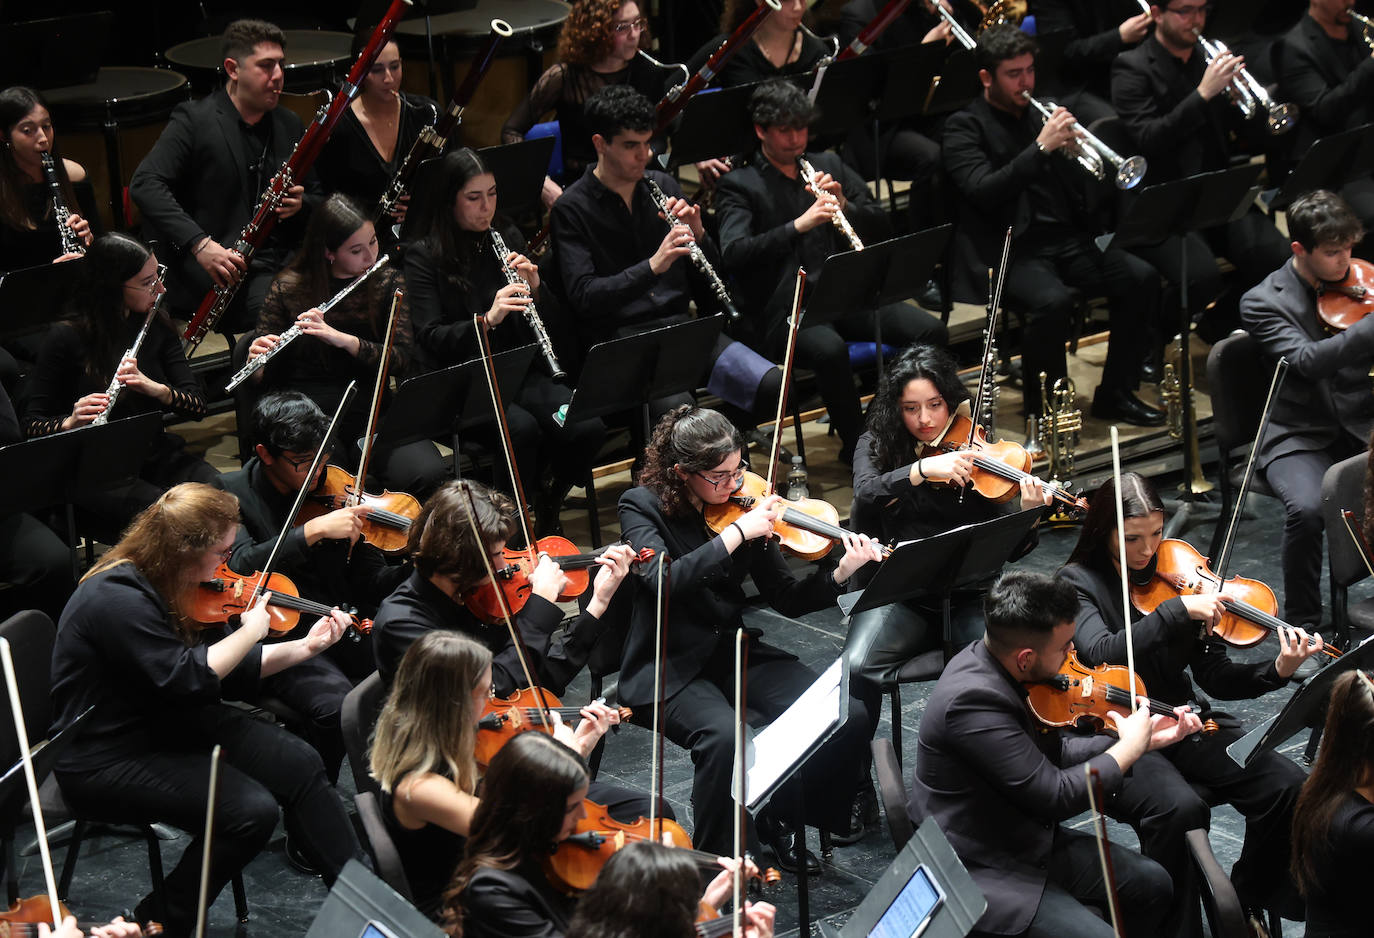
22, 734
660, 655
994, 304
741, 781
1223, 560
1361, 547
483, 330
1125, 571
793, 325
1104, 855
203, 902
378, 389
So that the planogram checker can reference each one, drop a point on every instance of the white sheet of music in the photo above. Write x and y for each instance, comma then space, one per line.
775, 749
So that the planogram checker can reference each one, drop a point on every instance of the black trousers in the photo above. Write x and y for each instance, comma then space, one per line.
907, 153
1159, 802
37, 566
262, 766
701, 718
315, 689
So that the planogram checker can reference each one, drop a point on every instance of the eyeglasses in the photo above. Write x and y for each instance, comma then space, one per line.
1189, 12
637, 25
225, 553
300, 462
152, 287
718, 479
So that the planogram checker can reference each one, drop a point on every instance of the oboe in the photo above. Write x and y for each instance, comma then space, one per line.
70, 243
255, 363
112, 392
840, 222
695, 253
541, 335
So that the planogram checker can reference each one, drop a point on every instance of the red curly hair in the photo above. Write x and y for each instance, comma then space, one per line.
586, 37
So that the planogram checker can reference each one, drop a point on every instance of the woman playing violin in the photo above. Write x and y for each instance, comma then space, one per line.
155, 692
1333, 825
696, 458
1160, 802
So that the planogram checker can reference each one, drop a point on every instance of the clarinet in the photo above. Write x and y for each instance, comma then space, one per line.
255, 363
697, 255
70, 243
839, 220
541, 335
112, 392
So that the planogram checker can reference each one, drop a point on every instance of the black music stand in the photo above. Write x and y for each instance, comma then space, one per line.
636, 369
1329, 163
519, 169
713, 124
886, 272
362, 906
31, 297
955, 86
57, 52
1177, 208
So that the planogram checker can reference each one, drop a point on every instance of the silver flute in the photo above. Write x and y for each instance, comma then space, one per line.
541, 335
695, 252
71, 244
838, 218
254, 364
116, 386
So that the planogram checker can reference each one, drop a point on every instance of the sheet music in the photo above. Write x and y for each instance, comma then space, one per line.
788, 740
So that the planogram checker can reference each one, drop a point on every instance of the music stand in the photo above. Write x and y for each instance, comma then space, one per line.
360, 905
955, 86
713, 124
636, 369
30, 296
1306, 708
1329, 163
1177, 208
57, 52
519, 169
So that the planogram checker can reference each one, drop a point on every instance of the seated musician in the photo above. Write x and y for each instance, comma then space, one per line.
85, 352
1014, 169
422, 755
598, 47
1180, 115
1324, 412
1325, 67
1333, 824
625, 271
1160, 802
200, 183
454, 274
696, 460
154, 687
347, 342
1097, 31
1000, 787
771, 222
781, 46
28, 229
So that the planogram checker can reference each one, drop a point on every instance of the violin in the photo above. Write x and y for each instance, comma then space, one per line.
523, 711
229, 594
1179, 570
1342, 303
807, 527
1080, 694
513, 578
387, 525
999, 468
21, 920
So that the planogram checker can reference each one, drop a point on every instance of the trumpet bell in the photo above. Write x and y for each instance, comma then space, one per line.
1282, 117
1130, 172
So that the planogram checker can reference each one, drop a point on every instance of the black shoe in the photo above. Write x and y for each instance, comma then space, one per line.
785, 843
298, 860
1152, 369
863, 814
1126, 407
932, 297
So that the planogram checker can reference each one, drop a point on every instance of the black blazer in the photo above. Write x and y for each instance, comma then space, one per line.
998, 784
516, 903
195, 182
1331, 82
706, 597
1095, 25
1326, 397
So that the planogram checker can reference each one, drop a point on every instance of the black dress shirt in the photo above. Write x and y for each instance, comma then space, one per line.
1337, 901
1094, 25
349, 163
1330, 80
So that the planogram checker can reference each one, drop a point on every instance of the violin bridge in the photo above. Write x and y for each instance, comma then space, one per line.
1086, 687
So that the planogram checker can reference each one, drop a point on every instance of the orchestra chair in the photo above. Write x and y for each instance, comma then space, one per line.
892, 791
1225, 915
245, 396
1343, 488
927, 666
1238, 379
357, 717
379, 843
551, 129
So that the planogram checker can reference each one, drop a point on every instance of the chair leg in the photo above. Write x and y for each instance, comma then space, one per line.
894, 696
593, 515
1224, 516
64, 884
155, 870
240, 898
797, 431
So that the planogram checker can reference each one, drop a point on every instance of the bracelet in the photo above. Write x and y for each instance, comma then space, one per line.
918, 469
1041, 147
735, 525
202, 246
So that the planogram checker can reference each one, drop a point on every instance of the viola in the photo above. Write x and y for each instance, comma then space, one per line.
1342, 303
808, 527
503, 718
999, 468
229, 594
21, 920
1180, 570
1079, 693
387, 525
513, 577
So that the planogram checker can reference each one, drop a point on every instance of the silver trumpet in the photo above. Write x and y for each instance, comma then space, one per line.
1093, 154
70, 243
695, 252
840, 222
541, 335
254, 364
1248, 93
1366, 28
117, 386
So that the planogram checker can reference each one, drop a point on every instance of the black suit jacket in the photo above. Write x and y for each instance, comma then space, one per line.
1331, 82
516, 903
1326, 397
706, 598
195, 182
998, 784
1095, 26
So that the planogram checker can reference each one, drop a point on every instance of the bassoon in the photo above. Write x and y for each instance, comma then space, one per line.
302, 157
870, 33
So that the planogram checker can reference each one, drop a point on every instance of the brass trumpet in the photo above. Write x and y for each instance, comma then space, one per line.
1248, 93
1093, 154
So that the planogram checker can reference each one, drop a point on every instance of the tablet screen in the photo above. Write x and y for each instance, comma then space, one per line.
911, 911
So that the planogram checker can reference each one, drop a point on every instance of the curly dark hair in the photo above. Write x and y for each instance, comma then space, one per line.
689, 438
1002, 42
614, 109
890, 444
586, 37
781, 104
1139, 499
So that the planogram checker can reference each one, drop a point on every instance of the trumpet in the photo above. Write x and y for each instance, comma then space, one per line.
1366, 28
1248, 93
116, 386
1093, 154
541, 335
809, 172
696, 254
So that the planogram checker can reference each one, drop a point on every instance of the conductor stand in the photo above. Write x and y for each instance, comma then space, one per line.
1176, 209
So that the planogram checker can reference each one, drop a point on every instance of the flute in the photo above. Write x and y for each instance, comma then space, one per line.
838, 218
116, 386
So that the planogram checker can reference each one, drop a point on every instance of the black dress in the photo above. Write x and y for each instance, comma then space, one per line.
429, 855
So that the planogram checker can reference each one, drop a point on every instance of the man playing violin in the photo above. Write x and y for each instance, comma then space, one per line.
999, 786
1324, 410
1159, 800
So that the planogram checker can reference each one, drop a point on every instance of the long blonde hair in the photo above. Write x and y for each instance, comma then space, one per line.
429, 723
168, 538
